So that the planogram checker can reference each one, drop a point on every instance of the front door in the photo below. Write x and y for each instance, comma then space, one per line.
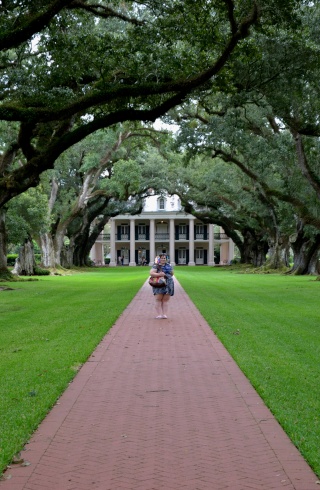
199, 256
182, 256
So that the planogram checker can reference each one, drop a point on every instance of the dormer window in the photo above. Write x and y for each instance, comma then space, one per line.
161, 203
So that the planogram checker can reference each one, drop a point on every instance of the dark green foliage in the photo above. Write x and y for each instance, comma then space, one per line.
139, 61
38, 271
11, 258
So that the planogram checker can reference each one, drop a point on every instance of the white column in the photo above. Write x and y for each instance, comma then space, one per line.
191, 242
102, 254
171, 242
231, 250
113, 257
152, 242
132, 262
93, 255
211, 246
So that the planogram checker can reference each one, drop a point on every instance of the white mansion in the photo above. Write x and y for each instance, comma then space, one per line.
162, 226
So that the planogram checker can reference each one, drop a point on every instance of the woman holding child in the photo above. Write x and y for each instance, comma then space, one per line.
162, 268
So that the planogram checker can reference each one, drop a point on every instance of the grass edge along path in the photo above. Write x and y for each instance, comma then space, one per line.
48, 329
270, 326
268, 323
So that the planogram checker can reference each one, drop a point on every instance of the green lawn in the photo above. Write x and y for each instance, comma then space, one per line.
48, 328
269, 324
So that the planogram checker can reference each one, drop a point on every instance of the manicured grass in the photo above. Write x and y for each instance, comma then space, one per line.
270, 324
48, 328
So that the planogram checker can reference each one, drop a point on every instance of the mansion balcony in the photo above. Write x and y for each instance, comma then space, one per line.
125, 237
164, 237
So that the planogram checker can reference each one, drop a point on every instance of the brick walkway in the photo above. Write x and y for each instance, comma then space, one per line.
160, 405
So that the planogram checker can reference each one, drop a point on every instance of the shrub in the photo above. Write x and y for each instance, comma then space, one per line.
38, 271
11, 258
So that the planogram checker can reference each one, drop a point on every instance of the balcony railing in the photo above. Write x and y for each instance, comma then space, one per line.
162, 236
220, 236
165, 236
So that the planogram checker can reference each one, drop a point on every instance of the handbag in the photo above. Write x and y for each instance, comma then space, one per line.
157, 282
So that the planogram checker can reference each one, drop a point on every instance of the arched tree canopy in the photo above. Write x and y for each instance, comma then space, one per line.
69, 68
239, 78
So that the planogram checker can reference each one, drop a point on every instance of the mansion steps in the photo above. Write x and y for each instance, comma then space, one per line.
161, 227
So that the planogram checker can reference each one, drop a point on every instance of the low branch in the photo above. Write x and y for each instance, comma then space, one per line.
28, 175
230, 7
215, 217
29, 25
304, 212
231, 159
104, 12
303, 164
103, 96
7, 158
294, 201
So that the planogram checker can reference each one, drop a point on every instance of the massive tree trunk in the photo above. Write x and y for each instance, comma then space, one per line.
52, 245
278, 257
274, 260
254, 249
25, 263
286, 255
82, 247
66, 255
304, 259
3, 242
85, 238
314, 264
305, 250
47, 250
58, 243
301, 259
